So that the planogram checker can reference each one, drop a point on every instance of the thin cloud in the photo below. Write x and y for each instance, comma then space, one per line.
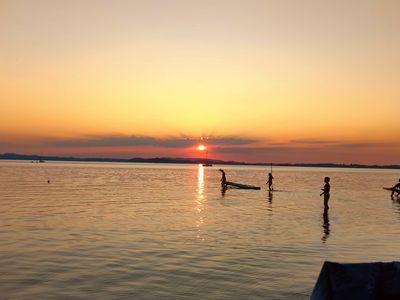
253, 150
313, 141
341, 144
366, 145
135, 140
294, 148
230, 140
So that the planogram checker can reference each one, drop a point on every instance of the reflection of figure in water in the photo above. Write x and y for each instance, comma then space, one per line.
223, 190
326, 192
326, 225
270, 194
269, 182
396, 189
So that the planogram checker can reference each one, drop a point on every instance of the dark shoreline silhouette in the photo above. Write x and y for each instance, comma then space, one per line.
15, 156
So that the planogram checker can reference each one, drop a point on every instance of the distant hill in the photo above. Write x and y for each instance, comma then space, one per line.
34, 157
168, 160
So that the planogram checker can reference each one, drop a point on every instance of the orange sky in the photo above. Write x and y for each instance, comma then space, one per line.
281, 81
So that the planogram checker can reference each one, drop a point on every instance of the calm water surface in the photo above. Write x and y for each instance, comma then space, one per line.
147, 231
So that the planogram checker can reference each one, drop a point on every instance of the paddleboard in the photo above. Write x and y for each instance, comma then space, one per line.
242, 186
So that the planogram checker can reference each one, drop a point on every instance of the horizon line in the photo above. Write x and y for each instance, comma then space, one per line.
186, 160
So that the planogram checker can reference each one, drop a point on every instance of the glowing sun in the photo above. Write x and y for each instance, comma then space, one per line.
201, 147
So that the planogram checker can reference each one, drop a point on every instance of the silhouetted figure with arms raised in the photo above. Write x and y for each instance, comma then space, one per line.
326, 192
396, 189
269, 182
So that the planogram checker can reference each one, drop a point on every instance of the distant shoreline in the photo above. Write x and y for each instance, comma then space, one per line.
37, 158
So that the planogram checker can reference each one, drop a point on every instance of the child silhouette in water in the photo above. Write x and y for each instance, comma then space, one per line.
326, 192
269, 182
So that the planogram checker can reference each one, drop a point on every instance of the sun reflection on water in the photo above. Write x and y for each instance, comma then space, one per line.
200, 199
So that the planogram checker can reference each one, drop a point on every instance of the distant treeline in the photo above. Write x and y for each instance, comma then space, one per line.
167, 160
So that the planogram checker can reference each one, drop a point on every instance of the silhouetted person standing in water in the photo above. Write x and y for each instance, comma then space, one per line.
396, 189
269, 182
326, 192
223, 178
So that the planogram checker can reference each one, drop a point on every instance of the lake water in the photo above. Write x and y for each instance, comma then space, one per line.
160, 231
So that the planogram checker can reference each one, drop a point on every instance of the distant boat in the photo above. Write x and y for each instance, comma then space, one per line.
38, 161
207, 165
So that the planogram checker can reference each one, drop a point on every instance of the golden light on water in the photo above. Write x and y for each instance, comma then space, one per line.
200, 198
200, 188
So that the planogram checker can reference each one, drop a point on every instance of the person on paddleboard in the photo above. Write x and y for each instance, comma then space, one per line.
326, 192
223, 178
269, 182
396, 189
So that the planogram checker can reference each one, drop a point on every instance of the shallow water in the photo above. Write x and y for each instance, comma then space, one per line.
159, 231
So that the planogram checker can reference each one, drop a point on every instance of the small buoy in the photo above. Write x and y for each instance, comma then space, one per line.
48, 181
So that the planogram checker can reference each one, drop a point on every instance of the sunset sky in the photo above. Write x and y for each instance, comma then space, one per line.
255, 80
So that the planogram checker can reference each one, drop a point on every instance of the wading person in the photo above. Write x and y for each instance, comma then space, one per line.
223, 178
269, 182
326, 192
